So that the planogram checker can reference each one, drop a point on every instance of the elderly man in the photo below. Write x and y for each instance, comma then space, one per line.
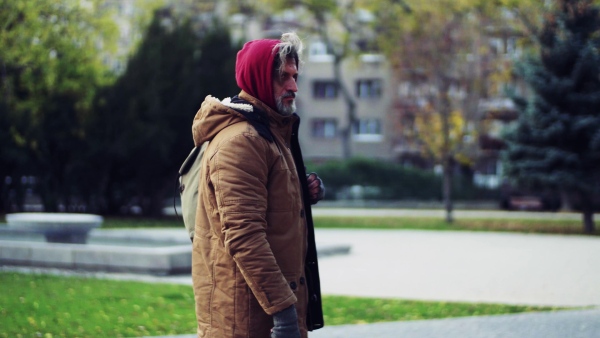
254, 261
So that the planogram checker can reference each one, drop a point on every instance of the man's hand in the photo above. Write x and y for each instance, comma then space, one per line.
316, 189
285, 324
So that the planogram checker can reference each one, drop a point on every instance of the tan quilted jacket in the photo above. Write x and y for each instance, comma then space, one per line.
250, 237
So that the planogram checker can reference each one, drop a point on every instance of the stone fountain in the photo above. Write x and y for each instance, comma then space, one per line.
76, 242
56, 227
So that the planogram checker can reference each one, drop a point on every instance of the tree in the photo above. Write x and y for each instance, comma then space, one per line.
556, 140
50, 71
429, 128
339, 43
336, 24
141, 133
440, 51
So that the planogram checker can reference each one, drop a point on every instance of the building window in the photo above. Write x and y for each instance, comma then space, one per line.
317, 52
367, 130
368, 88
367, 126
324, 128
317, 48
324, 89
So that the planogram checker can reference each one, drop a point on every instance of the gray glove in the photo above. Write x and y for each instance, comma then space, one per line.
285, 323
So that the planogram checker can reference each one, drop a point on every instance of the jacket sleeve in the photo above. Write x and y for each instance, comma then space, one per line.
239, 173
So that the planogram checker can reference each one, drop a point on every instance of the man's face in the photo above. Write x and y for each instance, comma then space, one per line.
285, 88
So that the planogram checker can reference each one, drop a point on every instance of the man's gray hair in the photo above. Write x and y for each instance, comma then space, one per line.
290, 45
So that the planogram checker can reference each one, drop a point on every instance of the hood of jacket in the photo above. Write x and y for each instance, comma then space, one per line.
215, 115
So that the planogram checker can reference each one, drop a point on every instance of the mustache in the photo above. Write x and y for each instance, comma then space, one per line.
288, 94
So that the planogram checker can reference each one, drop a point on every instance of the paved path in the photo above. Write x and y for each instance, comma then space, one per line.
562, 324
472, 214
465, 266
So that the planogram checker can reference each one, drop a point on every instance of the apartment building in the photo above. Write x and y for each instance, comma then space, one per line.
495, 114
324, 111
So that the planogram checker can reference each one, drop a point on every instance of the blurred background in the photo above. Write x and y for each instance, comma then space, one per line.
441, 103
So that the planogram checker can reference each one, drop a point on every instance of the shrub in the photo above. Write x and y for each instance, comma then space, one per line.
390, 181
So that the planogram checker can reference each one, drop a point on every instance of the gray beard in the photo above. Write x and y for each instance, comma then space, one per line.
285, 110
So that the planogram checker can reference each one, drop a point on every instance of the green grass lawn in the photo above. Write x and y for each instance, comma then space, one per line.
571, 227
416, 223
510, 225
47, 306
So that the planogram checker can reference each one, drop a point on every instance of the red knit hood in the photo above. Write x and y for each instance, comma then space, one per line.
253, 70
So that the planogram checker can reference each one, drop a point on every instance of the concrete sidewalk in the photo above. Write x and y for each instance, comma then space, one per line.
439, 213
490, 267
561, 324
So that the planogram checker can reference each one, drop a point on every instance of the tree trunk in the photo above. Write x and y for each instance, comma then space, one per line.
346, 133
587, 213
565, 201
447, 186
588, 222
444, 109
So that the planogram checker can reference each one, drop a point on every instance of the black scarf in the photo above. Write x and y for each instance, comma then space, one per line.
257, 118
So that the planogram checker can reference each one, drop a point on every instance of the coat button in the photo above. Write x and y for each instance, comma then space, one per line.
301, 280
293, 285
314, 298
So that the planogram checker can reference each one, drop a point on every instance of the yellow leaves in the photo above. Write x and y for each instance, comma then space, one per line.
104, 316
499, 78
430, 129
464, 159
31, 321
445, 8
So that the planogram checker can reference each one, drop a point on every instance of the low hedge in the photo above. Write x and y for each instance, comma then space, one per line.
390, 181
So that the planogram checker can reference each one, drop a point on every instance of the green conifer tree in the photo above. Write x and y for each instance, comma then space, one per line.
141, 132
555, 143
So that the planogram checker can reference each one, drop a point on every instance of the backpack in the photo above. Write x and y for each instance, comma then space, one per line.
189, 186
189, 173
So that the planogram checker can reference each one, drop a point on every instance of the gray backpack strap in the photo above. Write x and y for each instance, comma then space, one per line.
189, 186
